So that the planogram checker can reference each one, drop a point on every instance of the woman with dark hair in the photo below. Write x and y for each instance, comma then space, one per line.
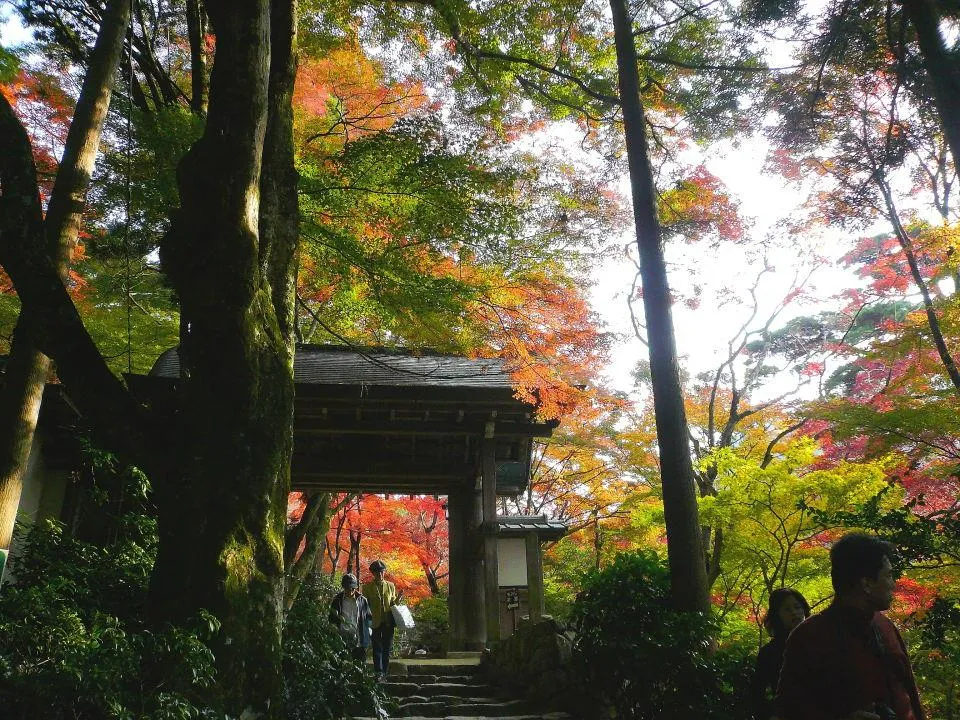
786, 609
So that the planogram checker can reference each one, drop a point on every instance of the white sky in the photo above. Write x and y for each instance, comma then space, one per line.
702, 334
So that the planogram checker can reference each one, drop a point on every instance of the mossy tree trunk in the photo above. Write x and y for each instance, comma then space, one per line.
27, 369
221, 469
229, 255
310, 532
687, 569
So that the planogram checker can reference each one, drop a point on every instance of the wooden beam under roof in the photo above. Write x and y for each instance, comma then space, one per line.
331, 425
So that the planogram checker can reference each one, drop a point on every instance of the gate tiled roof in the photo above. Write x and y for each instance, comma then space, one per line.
340, 365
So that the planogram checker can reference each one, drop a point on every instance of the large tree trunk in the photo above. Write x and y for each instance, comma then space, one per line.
222, 518
311, 532
221, 481
687, 572
27, 369
941, 67
196, 33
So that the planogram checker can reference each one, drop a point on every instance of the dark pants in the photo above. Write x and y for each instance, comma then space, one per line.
359, 653
382, 645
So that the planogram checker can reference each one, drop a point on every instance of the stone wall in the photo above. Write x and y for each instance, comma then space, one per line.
535, 661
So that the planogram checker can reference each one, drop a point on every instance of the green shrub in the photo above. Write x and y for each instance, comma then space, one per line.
72, 641
934, 643
641, 659
321, 678
558, 599
432, 629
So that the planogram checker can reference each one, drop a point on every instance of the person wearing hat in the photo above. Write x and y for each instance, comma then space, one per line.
383, 595
350, 612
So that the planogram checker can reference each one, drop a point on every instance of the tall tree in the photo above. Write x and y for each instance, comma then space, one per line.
28, 369
229, 255
561, 58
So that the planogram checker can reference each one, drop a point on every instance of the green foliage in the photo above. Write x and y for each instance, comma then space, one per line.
767, 517
558, 599
72, 640
322, 679
643, 659
934, 643
921, 540
9, 65
432, 629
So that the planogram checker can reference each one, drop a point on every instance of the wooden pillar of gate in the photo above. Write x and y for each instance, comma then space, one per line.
535, 598
491, 581
466, 609
456, 530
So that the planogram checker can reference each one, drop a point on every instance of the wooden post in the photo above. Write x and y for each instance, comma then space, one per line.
467, 622
534, 576
490, 569
457, 565
476, 631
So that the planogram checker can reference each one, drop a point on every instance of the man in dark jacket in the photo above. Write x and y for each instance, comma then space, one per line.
849, 662
350, 612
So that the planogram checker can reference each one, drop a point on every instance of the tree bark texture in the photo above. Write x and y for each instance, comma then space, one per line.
223, 514
311, 530
28, 369
196, 33
941, 67
221, 474
687, 571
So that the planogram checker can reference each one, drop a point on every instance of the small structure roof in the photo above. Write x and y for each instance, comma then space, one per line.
340, 365
546, 529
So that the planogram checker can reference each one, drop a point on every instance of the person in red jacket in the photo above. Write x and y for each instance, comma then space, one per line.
849, 661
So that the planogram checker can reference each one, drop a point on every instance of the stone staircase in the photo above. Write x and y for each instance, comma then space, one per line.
457, 692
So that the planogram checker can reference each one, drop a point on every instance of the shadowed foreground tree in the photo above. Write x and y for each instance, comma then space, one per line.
27, 369
221, 471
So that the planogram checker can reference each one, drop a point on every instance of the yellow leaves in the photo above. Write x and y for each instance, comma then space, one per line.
750, 496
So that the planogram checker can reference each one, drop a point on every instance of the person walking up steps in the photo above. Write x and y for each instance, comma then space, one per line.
382, 596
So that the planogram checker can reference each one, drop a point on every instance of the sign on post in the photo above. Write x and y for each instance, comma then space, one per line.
513, 598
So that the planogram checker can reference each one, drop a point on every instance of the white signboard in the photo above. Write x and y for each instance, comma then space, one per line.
512, 562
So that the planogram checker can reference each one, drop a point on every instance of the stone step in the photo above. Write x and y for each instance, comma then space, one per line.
465, 717
489, 708
497, 709
433, 668
424, 709
486, 707
455, 715
451, 699
404, 689
422, 679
